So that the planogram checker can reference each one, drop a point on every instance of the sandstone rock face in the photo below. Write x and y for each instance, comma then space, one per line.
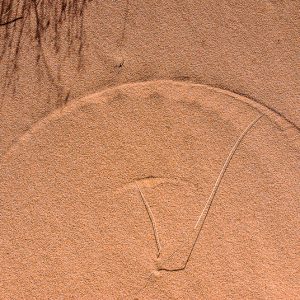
152, 190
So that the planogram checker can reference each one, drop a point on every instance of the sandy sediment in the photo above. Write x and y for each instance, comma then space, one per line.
153, 190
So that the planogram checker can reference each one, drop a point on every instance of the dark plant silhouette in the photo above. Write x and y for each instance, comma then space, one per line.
55, 23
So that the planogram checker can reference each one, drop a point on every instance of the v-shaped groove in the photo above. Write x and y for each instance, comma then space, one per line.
204, 213
223, 170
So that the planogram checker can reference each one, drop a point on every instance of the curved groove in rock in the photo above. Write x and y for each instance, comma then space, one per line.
281, 122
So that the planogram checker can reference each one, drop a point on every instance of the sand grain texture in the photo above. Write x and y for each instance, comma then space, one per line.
101, 199
149, 149
250, 48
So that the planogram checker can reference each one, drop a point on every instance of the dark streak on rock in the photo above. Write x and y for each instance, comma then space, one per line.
124, 23
57, 24
11, 21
